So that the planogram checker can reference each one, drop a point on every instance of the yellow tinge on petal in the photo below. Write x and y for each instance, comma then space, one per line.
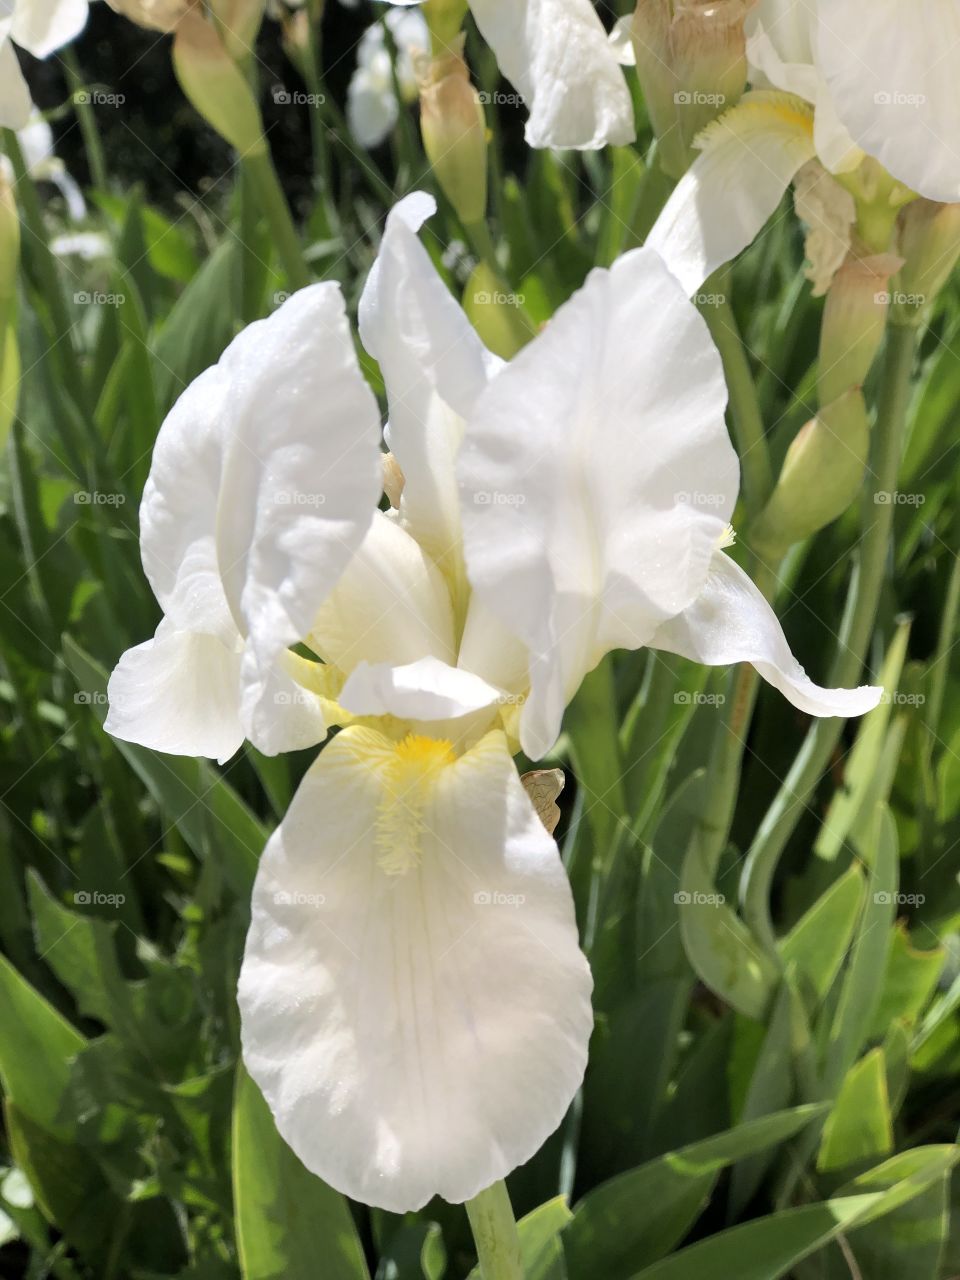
409, 775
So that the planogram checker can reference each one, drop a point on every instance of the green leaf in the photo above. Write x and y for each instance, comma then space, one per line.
541, 1249
287, 1220
772, 1087
199, 326
908, 1242
719, 946
863, 780
209, 814
863, 981
860, 1126
82, 952
639, 1216
36, 1046
819, 941
910, 981
70, 1191
769, 1248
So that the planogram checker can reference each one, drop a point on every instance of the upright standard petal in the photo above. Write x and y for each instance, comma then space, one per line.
302, 474
414, 1002
748, 160
730, 621
434, 366
596, 478
893, 72
264, 480
558, 57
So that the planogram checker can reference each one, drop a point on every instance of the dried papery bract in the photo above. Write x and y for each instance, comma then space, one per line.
692, 64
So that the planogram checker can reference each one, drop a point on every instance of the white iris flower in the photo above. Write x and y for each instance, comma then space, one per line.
372, 106
834, 80
415, 1005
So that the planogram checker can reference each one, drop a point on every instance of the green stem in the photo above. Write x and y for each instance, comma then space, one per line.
481, 242
318, 127
745, 415
941, 663
87, 120
273, 203
495, 1234
856, 630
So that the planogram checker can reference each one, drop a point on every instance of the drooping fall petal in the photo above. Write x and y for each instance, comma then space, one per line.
415, 1006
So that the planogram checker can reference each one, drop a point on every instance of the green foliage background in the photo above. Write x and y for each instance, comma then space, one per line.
733, 1124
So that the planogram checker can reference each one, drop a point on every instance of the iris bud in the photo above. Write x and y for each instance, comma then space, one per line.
929, 243
444, 18
497, 314
821, 476
853, 322
455, 134
692, 64
215, 85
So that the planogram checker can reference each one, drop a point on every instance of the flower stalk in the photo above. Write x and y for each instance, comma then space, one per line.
814, 757
495, 1234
